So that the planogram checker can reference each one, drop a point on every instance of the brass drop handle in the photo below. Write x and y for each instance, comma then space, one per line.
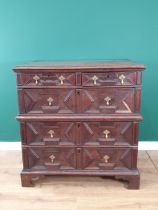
122, 78
36, 78
106, 133
106, 158
107, 99
51, 132
95, 78
50, 100
52, 157
61, 78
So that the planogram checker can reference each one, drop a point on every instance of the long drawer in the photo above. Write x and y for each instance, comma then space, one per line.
108, 100
86, 158
83, 133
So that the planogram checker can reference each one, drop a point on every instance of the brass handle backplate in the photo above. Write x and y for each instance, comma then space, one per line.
106, 133
61, 78
50, 100
95, 78
52, 157
107, 99
36, 78
122, 78
51, 132
106, 158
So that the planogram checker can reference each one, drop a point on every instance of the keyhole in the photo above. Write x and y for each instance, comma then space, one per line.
79, 151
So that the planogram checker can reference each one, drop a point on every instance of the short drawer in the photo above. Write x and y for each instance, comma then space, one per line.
110, 78
47, 101
108, 158
44, 158
84, 133
46, 79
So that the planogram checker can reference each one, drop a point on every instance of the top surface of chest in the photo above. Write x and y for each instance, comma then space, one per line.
93, 65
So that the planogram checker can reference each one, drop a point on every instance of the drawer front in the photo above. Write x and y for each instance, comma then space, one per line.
108, 133
108, 158
86, 158
42, 158
44, 101
109, 78
91, 100
108, 100
46, 79
79, 133
49, 133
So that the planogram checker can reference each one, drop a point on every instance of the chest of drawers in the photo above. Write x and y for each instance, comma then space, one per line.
79, 118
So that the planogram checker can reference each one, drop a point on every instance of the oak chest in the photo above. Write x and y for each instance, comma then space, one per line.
79, 118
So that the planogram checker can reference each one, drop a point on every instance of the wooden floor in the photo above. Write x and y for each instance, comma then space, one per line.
77, 193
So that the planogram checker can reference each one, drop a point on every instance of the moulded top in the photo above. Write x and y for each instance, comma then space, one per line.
81, 117
81, 64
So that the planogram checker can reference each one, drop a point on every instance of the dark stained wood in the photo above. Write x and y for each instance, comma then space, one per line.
26, 180
133, 181
93, 100
38, 133
80, 118
46, 79
88, 158
52, 79
109, 78
79, 133
36, 101
80, 65
90, 101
